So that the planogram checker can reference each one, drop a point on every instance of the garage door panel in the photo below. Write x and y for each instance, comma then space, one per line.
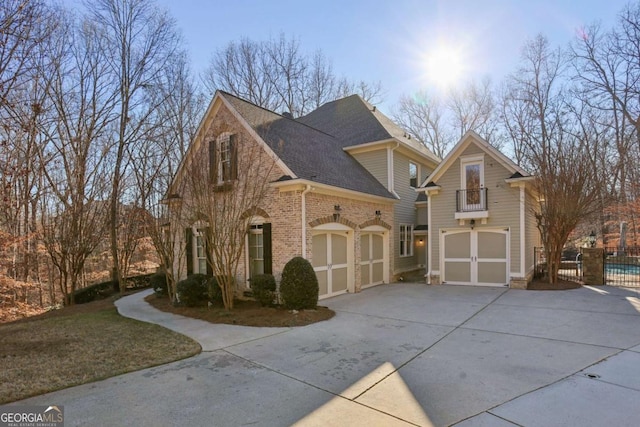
338, 249
319, 245
457, 271
492, 245
339, 279
458, 245
364, 248
322, 282
492, 272
365, 272
377, 243
378, 273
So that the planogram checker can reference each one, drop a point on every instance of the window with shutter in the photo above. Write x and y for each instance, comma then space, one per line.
223, 156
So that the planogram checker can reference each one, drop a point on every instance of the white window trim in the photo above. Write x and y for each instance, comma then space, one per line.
199, 235
258, 222
407, 244
471, 160
223, 138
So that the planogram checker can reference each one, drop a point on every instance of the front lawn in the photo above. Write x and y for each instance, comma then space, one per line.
81, 344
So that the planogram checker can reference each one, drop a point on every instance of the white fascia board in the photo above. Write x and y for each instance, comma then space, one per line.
330, 190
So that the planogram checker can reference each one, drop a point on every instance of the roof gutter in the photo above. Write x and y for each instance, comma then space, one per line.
297, 184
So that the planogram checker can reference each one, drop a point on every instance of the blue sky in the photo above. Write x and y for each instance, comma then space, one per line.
375, 40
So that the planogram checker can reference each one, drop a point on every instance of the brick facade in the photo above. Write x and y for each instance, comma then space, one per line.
283, 208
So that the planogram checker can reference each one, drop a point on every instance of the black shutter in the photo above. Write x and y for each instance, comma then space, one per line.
233, 148
213, 169
188, 237
207, 251
266, 247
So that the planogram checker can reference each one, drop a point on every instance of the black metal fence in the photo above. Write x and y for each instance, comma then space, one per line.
622, 266
570, 266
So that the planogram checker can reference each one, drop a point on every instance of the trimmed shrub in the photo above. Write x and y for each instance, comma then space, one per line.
139, 282
158, 282
214, 291
299, 285
263, 287
93, 292
194, 290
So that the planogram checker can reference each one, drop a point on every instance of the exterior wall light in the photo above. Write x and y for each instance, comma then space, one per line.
592, 239
336, 213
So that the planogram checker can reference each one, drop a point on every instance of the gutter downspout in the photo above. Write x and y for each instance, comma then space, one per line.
304, 221
429, 233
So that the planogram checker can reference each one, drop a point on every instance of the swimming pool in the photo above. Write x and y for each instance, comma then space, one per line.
627, 269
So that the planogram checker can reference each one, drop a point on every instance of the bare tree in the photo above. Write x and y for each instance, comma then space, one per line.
424, 117
278, 76
157, 158
141, 39
24, 25
26, 29
555, 148
473, 107
80, 112
607, 69
222, 191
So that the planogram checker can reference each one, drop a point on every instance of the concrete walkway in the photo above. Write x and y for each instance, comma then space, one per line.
401, 354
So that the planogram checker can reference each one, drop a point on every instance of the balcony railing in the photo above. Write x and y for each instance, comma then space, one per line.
472, 200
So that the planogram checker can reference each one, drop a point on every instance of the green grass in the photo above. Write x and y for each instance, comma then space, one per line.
61, 350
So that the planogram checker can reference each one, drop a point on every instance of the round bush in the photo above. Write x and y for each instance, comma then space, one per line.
158, 282
214, 291
299, 285
264, 289
194, 290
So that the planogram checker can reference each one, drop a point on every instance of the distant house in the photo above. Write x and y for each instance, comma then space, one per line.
342, 194
482, 226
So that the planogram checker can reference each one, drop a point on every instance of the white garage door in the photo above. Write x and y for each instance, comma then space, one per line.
331, 262
476, 257
372, 259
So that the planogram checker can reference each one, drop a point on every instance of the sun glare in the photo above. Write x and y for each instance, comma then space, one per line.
445, 66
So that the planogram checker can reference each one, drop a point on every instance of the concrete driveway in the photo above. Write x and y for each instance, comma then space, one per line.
400, 354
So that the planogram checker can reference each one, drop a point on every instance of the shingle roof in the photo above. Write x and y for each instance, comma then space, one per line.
354, 121
310, 153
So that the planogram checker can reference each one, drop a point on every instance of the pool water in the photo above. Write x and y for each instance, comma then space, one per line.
622, 269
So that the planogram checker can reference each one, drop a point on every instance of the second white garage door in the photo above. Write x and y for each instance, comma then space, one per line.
372, 259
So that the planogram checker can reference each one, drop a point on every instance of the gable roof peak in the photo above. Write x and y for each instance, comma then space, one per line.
472, 137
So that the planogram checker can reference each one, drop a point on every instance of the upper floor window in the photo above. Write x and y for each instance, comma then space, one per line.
472, 193
223, 159
413, 174
406, 237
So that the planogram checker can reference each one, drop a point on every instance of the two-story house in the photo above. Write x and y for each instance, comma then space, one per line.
341, 194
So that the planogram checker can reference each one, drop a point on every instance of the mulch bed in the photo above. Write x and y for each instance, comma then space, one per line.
245, 313
560, 285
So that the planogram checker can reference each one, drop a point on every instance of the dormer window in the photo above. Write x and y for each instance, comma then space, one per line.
223, 159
